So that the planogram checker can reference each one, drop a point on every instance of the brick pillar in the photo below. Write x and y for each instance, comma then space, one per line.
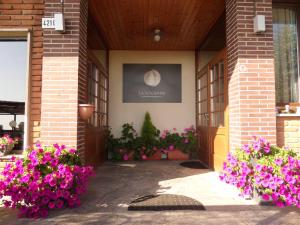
16, 14
64, 75
251, 88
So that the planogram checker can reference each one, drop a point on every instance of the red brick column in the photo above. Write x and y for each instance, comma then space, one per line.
28, 14
64, 75
251, 72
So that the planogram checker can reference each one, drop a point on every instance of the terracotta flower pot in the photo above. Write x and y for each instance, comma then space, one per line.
131, 156
177, 155
155, 156
86, 111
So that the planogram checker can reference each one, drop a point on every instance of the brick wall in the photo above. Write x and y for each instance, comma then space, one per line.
64, 75
27, 14
288, 132
251, 73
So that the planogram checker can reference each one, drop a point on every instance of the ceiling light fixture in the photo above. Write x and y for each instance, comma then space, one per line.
157, 35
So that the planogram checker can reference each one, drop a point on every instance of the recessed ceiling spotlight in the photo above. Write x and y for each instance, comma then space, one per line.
157, 34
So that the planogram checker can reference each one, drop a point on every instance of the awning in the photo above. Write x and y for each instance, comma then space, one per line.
12, 108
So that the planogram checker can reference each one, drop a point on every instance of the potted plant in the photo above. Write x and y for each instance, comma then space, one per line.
150, 139
7, 144
267, 173
178, 146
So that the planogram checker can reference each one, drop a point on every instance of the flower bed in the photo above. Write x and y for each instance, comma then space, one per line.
172, 144
48, 178
272, 172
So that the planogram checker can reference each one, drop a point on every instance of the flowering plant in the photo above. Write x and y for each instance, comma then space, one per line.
49, 177
185, 141
271, 171
131, 145
7, 143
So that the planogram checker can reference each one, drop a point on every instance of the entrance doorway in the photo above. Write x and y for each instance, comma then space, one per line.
132, 38
212, 116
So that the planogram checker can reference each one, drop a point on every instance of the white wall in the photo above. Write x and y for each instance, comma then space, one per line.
164, 115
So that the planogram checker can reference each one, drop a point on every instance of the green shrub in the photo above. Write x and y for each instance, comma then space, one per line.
149, 132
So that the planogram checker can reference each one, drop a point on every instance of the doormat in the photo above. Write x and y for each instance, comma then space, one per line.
164, 202
193, 165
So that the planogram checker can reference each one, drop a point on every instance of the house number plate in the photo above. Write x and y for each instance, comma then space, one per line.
48, 23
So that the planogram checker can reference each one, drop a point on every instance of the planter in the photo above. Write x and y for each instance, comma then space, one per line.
257, 198
177, 155
131, 156
155, 156
6, 150
86, 111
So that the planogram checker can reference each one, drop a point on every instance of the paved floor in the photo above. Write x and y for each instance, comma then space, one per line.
117, 184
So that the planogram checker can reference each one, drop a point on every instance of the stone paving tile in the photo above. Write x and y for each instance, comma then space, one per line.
117, 184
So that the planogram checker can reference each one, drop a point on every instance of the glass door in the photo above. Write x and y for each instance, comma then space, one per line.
212, 122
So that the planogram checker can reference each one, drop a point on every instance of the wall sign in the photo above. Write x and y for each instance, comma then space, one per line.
48, 23
144, 83
57, 22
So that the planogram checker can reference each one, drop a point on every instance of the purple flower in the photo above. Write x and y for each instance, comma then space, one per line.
171, 147
51, 205
265, 197
125, 157
45, 200
246, 149
278, 162
52, 183
59, 203
258, 167
63, 185
267, 148
38, 183
72, 151
54, 162
25, 178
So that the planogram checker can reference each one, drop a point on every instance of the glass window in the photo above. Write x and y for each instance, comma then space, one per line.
286, 55
98, 95
13, 82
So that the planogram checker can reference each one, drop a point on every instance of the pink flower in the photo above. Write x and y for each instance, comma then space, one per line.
25, 178
59, 203
52, 183
265, 197
51, 205
42, 185
45, 200
125, 157
144, 157
171, 147
72, 151
278, 162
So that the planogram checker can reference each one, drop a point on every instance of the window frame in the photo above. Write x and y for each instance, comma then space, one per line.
26, 34
291, 4
103, 72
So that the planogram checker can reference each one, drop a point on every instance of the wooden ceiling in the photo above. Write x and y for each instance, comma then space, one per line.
130, 24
